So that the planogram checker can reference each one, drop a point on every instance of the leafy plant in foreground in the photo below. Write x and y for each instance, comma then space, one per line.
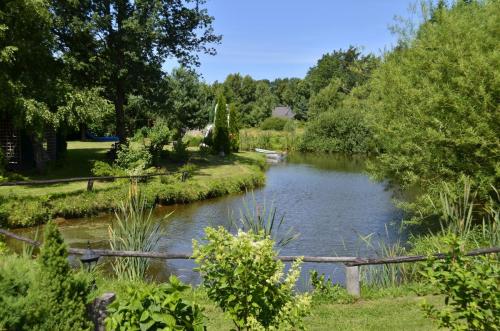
471, 286
241, 274
152, 307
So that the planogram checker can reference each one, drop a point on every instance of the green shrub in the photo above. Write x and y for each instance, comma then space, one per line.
241, 274
187, 171
152, 307
133, 157
180, 152
192, 141
337, 130
159, 135
274, 123
44, 294
326, 289
471, 288
101, 168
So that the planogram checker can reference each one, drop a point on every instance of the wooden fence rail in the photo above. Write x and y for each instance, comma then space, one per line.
351, 263
75, 179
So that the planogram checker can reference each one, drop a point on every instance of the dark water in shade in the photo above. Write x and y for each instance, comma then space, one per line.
327, 199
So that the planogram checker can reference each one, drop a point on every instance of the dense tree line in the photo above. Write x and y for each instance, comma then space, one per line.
75, 63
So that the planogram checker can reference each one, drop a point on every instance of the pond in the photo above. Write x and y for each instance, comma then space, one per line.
329, 200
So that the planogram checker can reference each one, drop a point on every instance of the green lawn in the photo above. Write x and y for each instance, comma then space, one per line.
387, 314
78, 163
81, 156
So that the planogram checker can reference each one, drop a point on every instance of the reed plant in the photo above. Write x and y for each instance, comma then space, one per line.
259, 218
134, 229
388, 275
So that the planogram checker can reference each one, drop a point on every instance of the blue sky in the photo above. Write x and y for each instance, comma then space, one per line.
284, 38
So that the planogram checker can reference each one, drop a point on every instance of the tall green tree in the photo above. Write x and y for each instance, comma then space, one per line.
435, 103
122, 44
350, 66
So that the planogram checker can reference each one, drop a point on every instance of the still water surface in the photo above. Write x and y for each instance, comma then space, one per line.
329, 200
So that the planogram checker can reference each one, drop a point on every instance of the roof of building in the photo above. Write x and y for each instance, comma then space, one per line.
283, 111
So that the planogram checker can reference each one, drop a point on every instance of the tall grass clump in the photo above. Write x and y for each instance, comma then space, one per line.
388, 275
133, 229
263, 219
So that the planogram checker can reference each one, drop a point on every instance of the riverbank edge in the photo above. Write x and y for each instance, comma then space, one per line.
20, 212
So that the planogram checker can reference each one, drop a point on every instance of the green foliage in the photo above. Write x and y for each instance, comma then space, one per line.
133, 229
327, 290
221, 141
44, 294
192, 141
234, 129
101, 168
187, 171
3, 247
471, 288
152, 307
434, 102
275, 140
241, 274
293, 92
337, 130
274, 123
349, 67
327, 98
179, 152
159, 135
133, 157
64, 294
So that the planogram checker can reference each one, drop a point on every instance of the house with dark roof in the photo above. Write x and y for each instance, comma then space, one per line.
283, 112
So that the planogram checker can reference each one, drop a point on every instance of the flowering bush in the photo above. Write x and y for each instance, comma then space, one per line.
242, 275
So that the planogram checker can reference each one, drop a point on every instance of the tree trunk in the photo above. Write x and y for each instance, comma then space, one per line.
120, 113
82, 132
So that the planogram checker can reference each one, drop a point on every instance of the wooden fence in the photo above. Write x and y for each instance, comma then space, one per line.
351, 263
89, 180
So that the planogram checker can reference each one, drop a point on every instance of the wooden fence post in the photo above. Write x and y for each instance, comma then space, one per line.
90, 185
352, 280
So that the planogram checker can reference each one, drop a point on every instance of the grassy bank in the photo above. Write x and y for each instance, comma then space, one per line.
212, 177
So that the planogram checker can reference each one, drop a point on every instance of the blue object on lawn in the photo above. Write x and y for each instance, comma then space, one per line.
95, 138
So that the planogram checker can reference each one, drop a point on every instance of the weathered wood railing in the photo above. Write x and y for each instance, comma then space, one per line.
90, 180
351, 263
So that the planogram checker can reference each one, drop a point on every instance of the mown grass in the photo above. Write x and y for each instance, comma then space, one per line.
397, 310
214, 176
